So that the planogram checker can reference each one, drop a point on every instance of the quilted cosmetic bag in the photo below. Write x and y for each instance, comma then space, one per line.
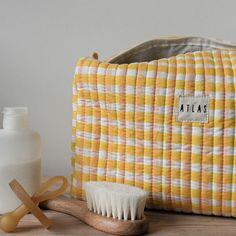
160, 116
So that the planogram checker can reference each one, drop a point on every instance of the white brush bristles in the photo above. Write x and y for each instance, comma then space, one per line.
115, 200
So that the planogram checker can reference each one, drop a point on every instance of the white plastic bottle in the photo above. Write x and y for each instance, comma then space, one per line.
20, 156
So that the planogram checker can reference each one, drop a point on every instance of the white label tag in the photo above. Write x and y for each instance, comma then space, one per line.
193, 109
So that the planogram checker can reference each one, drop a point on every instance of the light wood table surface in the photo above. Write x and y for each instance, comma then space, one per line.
161, 223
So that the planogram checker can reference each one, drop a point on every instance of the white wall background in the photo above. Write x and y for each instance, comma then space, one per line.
41, 40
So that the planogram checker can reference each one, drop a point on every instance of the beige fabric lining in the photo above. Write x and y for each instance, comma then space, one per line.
167, 47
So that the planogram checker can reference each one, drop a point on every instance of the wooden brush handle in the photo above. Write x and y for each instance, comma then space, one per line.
109, 225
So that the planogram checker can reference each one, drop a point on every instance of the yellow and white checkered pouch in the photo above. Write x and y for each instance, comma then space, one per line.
160, 116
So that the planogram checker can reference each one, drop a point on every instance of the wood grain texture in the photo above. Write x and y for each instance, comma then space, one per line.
107, 224
160, 223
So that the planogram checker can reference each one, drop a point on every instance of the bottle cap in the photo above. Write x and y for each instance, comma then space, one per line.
15, 111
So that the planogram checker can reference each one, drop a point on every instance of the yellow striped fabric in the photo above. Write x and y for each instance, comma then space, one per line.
125, 130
